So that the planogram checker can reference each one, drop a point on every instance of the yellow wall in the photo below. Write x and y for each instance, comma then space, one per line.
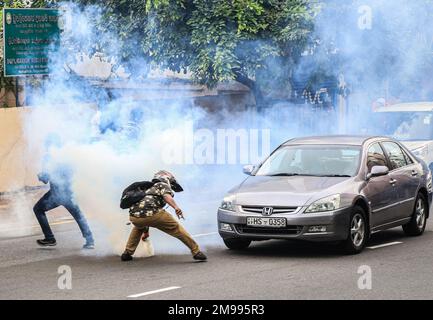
16, 168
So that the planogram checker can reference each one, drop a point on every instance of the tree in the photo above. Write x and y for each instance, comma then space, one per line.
250, 41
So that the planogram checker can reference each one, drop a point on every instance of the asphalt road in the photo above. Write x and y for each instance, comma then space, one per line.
268, 270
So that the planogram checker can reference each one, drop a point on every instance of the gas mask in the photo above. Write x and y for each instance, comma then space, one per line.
168, 178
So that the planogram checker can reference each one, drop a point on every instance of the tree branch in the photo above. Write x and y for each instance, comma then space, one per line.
251, 84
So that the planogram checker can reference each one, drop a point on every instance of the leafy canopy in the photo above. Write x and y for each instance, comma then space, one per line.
215, 40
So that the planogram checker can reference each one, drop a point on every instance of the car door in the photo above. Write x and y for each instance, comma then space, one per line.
380, 192
407, 178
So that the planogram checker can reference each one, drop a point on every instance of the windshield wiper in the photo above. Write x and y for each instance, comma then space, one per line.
337, 175
282, 174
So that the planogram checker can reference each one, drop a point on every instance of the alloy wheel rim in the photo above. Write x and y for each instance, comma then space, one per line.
357, 230
420, 213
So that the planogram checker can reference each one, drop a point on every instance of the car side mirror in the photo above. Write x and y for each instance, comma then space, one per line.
378, 171
248, 169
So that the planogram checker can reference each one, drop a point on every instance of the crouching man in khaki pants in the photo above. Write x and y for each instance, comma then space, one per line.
149, 212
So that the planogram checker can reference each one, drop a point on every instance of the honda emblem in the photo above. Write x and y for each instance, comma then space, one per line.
267, 211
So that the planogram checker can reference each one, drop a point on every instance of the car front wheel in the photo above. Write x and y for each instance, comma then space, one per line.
237, 244
358, 232
416, 226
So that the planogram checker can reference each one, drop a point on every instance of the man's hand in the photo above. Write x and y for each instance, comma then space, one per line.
179, 213
169, 199
43, 178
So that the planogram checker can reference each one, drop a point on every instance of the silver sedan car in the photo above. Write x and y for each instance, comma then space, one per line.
334, 188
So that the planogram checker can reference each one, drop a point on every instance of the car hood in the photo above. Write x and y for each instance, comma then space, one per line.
285, 191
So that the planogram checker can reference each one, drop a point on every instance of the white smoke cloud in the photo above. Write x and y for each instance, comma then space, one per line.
104, 164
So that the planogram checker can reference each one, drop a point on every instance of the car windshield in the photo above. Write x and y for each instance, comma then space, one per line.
405, 125
312, 160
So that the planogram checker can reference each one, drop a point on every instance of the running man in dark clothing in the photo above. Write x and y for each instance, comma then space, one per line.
60, 194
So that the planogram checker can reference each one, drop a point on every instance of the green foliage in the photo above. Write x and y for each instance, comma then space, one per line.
220, 40
215, 40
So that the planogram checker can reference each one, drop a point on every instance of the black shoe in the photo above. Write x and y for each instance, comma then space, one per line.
89, 245
200, 256
47, 242
126, 257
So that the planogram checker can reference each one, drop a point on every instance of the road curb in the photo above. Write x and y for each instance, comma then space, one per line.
25, 189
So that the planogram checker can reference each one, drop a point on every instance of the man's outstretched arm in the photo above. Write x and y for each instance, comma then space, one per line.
170, 201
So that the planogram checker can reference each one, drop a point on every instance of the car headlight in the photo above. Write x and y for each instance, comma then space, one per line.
421, 152
325, 204
227, 203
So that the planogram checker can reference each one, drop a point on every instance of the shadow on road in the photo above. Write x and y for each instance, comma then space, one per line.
392, 235
304, 249
290, 248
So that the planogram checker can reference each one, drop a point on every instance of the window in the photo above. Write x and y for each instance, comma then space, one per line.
375, 157
395, 155
408, 159
312, 160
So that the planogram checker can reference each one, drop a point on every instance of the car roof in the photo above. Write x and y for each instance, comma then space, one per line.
408, 107
334, 140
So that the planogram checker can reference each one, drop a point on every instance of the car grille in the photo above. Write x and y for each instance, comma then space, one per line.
276, 210
289, 230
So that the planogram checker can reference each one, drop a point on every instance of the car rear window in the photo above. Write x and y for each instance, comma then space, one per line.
395, 155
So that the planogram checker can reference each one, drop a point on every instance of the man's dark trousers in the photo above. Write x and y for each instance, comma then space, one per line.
53, 200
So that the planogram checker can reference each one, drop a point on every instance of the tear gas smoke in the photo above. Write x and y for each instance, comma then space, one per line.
381, 49
127, 141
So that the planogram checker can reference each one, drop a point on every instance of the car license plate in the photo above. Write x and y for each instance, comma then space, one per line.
266, 222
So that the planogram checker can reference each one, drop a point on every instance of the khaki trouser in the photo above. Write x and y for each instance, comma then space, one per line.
164, 222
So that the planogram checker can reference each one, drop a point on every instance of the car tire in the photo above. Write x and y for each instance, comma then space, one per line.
358, 232
416, 226
237, 244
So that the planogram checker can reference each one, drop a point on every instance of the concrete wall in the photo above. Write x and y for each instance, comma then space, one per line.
16, 171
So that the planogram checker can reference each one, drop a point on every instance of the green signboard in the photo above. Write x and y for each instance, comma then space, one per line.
29, 36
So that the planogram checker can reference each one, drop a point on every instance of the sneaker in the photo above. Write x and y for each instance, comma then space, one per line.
89, 245
46, 242
200, 256
126, 257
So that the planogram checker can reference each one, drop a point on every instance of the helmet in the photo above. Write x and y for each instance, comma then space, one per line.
167, 177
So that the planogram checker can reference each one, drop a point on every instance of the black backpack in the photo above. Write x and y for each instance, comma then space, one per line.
134, 193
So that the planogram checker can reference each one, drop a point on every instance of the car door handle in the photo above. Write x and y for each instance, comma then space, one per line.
392, 181
414, 173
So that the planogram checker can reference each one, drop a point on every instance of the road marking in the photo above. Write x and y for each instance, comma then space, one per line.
385, 245
152, 292
36, 226
204, 234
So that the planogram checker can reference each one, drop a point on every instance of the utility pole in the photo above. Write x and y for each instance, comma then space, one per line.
343, 104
